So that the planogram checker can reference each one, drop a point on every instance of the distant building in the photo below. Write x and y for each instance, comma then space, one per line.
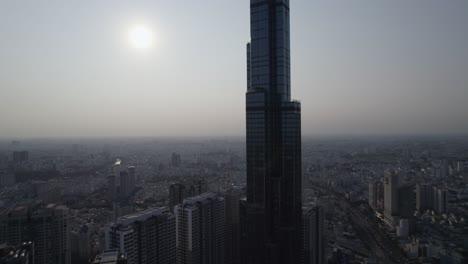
146, 237
390, 197
111, 187
197, 188
7, 178
313, 229
121, 208
200, 230
440, 200
46, 227
132, 171
127, 184
110, 257
406, 201
180, 191
460, 166
374, 194
175, 160
465, 177
424, 197
177, 194
445, 168
403, 229
20, 156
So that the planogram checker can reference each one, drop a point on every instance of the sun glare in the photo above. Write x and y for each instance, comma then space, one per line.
140, 37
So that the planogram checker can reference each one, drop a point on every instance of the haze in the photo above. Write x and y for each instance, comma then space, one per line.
359, 67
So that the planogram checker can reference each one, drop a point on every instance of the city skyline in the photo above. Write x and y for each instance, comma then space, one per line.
123, 139
362, 68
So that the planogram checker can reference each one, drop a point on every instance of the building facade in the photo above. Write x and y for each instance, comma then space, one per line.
232, 243
45, 226
273, 213
313, 235
146, 237
200, 222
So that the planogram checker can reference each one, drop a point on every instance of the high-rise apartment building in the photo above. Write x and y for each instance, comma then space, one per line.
127, 184
391, 208
440, 200
111, 188
132, 171
232, 237
177, 194
146, 237
380, 197
273, 216
179, 191
200, 222
51, 235
46, 226
373, 195
80, 242
424, 197
313, 235
406, 201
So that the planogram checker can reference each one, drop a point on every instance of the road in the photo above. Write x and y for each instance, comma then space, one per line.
386, 250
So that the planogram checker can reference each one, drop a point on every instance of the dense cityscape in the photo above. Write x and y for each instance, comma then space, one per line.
271, 197
90, 191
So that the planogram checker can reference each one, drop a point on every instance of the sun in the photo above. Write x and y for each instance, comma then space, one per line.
140, 37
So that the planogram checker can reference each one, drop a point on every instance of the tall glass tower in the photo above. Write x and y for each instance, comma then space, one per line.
272, 225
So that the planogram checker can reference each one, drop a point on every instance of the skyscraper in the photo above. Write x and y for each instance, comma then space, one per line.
200, 230
273, 213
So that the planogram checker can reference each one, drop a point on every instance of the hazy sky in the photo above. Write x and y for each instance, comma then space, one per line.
359, 67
